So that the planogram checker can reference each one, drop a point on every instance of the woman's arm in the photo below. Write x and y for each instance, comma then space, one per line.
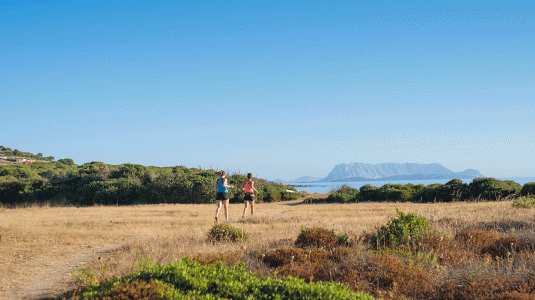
225, 184
252, 186
242, 186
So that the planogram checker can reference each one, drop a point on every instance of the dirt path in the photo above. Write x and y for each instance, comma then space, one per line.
54, 278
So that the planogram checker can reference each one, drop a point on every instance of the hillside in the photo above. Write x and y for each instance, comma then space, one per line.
395, 171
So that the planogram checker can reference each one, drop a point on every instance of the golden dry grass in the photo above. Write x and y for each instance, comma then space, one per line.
35, 239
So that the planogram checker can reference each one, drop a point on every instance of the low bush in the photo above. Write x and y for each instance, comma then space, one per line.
528, 189
369, 193
185, 279
320, 238
344, 194
227, 233
400, 231
138, 289
524, 202
478, 239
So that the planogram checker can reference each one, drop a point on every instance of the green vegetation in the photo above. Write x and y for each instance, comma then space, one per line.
399, 231
94, 183
8, 152
528, 189
453, 190
185, 279
524, 202
344, 194
227, 233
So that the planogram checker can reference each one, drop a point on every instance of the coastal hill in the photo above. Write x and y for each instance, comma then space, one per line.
395, 171
306, 179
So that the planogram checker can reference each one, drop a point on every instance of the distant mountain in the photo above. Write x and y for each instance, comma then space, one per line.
278, 180
306, 179
395, 171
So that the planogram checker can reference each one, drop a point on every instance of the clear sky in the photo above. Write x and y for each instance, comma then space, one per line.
281, 89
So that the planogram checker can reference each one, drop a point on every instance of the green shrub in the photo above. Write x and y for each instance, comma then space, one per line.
528, 189
400, 231
271, 194
369, 192
185, 279
344, 194
225, 232
514, 185
318, 237
453, 190
490, 188
524, 202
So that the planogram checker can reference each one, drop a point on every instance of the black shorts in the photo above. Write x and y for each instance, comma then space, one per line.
248, 197
221, 196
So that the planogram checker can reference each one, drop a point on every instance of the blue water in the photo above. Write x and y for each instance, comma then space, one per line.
325, 187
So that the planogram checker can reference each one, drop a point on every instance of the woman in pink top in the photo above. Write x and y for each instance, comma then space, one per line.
248, 188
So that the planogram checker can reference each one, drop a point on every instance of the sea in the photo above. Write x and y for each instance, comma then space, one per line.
326, 187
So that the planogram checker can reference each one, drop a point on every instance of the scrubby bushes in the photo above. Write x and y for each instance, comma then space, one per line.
453, 190
490, 188
100, 183
401, 230
417, 263
318, 237
524, 202
186, 279
225, 232
344, 194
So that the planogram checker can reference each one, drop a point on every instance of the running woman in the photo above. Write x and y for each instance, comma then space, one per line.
248, 187
222, 195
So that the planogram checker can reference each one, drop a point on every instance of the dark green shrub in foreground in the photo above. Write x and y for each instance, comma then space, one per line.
185, 279
400, 231
227, 233
528, 189
344, 194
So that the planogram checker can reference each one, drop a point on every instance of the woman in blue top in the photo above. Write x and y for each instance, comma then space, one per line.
222, 194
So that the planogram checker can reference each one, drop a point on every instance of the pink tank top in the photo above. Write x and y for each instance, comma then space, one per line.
248, 187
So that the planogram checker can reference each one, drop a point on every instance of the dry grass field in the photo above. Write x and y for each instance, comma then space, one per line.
40, 245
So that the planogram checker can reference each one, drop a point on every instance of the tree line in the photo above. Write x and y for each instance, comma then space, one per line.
454, 190
96, 183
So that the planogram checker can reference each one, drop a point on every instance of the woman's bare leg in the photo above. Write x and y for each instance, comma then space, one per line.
225, 205
245, 209
217, 210
252, 208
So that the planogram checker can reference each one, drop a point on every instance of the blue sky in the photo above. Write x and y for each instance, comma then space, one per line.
281, 89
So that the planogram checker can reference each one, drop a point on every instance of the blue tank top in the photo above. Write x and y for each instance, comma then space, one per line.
220, 187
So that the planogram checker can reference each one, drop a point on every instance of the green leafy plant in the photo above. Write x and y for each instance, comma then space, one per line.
84, 276
225, 232
344, 194
186, 279
400, 231
524, 202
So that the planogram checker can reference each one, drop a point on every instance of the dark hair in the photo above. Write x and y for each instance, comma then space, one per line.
221, 173
249, 176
